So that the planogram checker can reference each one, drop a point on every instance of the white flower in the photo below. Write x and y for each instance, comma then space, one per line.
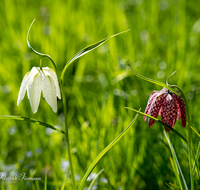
38, 80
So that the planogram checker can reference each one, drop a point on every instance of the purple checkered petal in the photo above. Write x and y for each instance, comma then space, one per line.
168, 105
164, 90
169, 111
182, 109
151, 99
177, 105
155, 107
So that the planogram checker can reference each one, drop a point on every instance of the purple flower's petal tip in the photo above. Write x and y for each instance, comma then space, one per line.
167, 129
151, 122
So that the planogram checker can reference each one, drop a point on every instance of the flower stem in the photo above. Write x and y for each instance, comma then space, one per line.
67, 138
189, 137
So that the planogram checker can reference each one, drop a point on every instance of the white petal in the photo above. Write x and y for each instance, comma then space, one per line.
53, 76
49, 91
25, 82
34, 91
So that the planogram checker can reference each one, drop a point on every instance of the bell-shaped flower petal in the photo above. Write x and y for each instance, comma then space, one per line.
49, 91
34, 92
168, 105
52, 74
25, 83
38, 80
169, 111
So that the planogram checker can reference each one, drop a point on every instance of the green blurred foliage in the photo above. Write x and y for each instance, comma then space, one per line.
164, 37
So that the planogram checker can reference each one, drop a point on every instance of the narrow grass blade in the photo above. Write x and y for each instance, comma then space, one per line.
32, 121
154, 81
174, 168
195, 131
64, 184
37, 185
176, 162
94, 180
2, 186
196, 161
45, 182
103, 152
167, 126
169, 186
87, 50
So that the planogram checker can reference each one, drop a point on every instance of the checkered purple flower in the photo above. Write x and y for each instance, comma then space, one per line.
168, 105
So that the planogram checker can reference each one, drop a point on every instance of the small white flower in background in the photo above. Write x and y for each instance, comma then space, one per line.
38, 80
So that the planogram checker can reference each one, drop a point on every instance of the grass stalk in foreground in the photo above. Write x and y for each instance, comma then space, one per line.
104, 151
67, 138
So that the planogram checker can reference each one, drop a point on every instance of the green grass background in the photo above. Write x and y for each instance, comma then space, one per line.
164, 37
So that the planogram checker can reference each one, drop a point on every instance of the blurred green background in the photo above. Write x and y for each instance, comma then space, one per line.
164, 37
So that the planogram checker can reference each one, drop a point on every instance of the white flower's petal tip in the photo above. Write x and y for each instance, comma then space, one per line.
34, 111
23, 87
55, 110
18, 101
58, 94
53, 76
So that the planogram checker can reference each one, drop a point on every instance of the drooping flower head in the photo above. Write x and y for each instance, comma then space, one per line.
168, 105
38, 80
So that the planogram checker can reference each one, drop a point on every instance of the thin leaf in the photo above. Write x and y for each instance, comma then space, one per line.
195, 131
2, 186
45, 182
176, 162
94, 180
196, 161
87, 50
63, 186
167, 126
154, 81
172, 163
20, 118
103, 152
169, 186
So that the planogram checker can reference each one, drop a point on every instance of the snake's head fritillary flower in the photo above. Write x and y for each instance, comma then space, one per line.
38, 80
168, 105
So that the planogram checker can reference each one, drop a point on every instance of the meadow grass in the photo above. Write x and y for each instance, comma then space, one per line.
164, 37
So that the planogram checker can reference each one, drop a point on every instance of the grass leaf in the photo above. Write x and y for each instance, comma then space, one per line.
94, 180
176, 163
167, 126
20, 118
154, 81
196, 163
103, 152
87, 50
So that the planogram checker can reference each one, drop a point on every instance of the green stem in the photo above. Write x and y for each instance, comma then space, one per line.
67, 137
38, 53
189, 136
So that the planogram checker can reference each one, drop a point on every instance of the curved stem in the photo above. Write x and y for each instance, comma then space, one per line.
67, 137
170, 77
38, 53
